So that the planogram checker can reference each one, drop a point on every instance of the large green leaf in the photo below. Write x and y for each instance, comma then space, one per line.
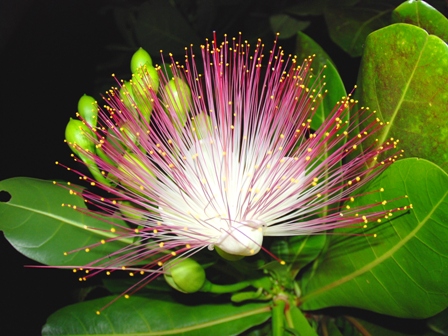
37, 225
334, 87
350, 25
306, 46
421, 14
404, 77
144, 316
404, 271
298, 251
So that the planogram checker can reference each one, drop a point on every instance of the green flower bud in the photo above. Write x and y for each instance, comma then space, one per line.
187, 276
80, 139
178, 97
145, 79
128, 134
79, 136
127, 97
201, 125
140, 59
132, 160
88, 110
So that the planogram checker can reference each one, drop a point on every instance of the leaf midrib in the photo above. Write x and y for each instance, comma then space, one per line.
70, 222
191, 328
394, 114
377, 261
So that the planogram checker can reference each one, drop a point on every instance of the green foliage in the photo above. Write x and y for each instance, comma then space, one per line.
41, 222
403, 271
404, 76
144, 316
423, 15
322, 63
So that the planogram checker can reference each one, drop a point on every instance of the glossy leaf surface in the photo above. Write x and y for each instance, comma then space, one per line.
143, 316
37, 224
306, 46
404, 77
404, 271
420, 13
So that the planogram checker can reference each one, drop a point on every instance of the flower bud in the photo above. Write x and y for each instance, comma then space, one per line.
79, 136
178, 98
127, 97
142, 82
80, 139
133, 169
140, 59
187, 276
201, 125
88, 110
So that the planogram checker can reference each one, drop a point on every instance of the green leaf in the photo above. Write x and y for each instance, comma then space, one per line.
37, 225
404, 271
286, 25
334, 87
350, 25
144, 316
404, 77
298, 251
306, 46
421, 14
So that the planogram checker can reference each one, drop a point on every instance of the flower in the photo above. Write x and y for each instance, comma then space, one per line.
228, 156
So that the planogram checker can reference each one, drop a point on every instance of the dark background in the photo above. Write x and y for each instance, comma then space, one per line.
52, 52
49, 56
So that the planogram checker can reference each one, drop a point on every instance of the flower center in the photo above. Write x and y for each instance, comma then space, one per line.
243, 239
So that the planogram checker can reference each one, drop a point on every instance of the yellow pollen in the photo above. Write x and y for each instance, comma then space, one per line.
87, 250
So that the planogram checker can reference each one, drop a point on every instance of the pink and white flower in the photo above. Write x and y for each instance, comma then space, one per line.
244, 165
